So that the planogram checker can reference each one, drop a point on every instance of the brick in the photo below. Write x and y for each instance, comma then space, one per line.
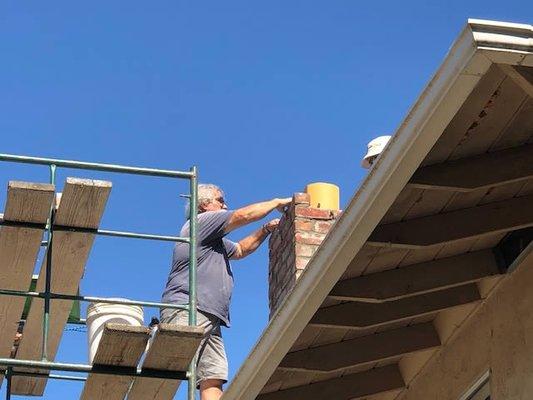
303, 225
301, 198
301, 230
305, 250
309, 238
313, 213
323, 226
301, 262
336, 213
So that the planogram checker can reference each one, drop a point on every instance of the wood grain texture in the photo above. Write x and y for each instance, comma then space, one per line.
519, 130
467, 117
351, 386
418, 278
363, 350
28, 202
172, 348
489, 169
121, 345
504, 104
522, 76
360, 315
82, 205
500, 216
19, 247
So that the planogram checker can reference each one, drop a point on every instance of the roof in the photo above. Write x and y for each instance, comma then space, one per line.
451, 184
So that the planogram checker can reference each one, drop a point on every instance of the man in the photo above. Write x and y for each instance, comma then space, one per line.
214, 276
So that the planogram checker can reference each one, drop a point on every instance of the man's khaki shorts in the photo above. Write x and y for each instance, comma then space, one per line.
212, 361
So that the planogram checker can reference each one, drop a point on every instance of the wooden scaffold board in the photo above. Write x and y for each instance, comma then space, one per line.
120, 346
19, 247
172, 349
82, 205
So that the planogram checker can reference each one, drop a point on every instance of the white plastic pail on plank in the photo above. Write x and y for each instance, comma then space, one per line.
98, 314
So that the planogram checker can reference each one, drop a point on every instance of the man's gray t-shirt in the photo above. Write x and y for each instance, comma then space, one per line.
214, 278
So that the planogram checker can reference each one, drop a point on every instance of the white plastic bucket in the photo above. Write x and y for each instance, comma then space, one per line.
98, 314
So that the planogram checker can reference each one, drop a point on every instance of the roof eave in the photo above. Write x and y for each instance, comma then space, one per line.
461, 70
503, 42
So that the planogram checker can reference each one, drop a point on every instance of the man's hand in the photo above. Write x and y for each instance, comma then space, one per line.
250, 243
270, 226
282, 203
255, 212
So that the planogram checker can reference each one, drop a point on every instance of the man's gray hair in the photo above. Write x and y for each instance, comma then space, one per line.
206, 194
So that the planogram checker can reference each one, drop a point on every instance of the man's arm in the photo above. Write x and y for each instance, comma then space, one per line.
254, 212
250, 243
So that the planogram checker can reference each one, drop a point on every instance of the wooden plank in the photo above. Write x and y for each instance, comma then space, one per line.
492, 120
366, 349
361, 261
275, 381
420, 255
297, 378
286, 379
522, 76
306, 338
123, 346
418, 278
172, 348
385, 259
467, 116
428, 203
448, 321
401, 206
417, 202
347, 387
489, 169
82, 205
19, 247
519, 129
329, 336
356, 315
450, 226
28, 202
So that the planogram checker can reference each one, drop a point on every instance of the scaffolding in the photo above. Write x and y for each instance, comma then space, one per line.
50, 227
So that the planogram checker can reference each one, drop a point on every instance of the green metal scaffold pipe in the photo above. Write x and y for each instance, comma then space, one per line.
96, 166
193, 221
48, 295
48, 276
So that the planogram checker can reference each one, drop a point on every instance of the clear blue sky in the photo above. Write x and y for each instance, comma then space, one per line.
264, 97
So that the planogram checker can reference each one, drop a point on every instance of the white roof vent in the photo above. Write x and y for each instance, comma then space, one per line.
375, 147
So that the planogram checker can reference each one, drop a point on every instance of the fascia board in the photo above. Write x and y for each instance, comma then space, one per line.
504, 42
461, 70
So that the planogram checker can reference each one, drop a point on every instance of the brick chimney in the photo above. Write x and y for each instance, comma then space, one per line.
301, 230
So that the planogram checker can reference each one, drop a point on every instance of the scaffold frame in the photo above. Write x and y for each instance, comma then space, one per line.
9, 363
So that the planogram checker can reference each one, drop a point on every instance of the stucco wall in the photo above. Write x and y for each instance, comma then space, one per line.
498, 337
